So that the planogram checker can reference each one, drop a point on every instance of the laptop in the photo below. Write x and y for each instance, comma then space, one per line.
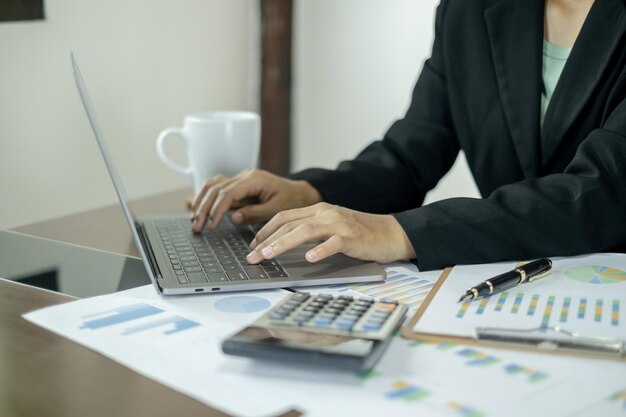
181, 262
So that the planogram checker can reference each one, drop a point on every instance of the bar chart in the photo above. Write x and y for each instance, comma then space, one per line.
598, 310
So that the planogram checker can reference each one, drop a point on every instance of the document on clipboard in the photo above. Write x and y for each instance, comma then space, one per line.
580, 308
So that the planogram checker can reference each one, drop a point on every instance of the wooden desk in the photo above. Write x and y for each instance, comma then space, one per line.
42, 374
106, 228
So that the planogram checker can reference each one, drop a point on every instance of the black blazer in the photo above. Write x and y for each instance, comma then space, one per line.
559, 190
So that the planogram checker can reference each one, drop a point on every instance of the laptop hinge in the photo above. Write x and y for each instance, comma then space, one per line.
156, 272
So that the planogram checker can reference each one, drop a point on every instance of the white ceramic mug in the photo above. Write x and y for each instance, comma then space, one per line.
225, 142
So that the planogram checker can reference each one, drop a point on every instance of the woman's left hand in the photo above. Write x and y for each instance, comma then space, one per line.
369, 237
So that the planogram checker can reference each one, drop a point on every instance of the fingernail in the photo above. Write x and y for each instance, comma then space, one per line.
267, 251
253, 257
237, 217
253, 244
312, 256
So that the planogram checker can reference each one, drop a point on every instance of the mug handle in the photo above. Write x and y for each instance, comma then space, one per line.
186, 171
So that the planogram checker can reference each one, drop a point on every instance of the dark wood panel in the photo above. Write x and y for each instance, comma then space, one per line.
15, 10
276, 27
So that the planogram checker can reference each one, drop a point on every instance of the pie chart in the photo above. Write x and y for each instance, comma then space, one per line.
242, 304
595, 274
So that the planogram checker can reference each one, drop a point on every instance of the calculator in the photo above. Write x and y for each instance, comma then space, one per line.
321, 329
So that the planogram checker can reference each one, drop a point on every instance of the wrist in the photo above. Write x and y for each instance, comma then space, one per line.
309, 194
402, 242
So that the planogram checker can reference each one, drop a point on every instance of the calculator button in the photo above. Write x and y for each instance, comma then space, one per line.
345, 324
349, 316
371, 326
386, 306
345, 297
322, 322
300, 296
276, 316
325, 297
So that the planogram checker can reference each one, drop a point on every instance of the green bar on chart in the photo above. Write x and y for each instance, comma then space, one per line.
533, 305
501, 301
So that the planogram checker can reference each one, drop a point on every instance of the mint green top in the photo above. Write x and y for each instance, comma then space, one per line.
554, 59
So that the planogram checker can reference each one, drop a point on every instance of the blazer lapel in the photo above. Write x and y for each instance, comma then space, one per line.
515, 29
590, 55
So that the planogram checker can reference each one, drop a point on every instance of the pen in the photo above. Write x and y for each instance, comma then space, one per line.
525, 273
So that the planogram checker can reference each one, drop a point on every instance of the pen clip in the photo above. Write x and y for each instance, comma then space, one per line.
539, 276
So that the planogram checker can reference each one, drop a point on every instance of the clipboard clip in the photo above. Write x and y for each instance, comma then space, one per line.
553, 338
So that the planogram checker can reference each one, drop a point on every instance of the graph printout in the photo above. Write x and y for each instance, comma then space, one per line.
585, 294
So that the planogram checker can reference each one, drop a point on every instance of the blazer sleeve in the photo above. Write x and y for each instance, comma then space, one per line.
394, 174
578, 211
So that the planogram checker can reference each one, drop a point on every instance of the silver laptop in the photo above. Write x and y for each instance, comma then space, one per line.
181, 262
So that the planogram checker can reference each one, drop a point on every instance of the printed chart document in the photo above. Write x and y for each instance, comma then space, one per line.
177, 341
583, 294
174, 340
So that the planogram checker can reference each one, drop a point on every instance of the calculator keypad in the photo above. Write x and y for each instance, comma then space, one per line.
323, 313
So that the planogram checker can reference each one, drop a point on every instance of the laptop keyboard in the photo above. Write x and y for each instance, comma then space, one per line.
214, 255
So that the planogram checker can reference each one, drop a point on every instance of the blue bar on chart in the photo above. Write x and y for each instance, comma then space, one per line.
403, 390
565, 309
533, 375
119, 315
180, 324
477, 358
597, 315
533, 305
582, 307
615, 313
482, 306
547, 312
462, 310
501, 301
517, 303
464, 411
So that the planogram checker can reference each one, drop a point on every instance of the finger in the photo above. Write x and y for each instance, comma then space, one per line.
332, 246
231, 194
294, 237
255, 213
279, 220
189, 203
201, 215
197, 201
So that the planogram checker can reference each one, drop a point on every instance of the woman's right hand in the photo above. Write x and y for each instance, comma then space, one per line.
273, 194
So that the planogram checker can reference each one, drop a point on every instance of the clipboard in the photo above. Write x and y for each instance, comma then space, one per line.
554, 341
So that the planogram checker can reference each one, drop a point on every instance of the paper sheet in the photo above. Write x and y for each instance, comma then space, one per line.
586, 294
176, 340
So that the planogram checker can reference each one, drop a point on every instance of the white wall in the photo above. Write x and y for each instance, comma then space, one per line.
356, 62
146, 62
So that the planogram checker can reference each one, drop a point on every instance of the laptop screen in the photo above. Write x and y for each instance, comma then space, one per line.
106, 155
